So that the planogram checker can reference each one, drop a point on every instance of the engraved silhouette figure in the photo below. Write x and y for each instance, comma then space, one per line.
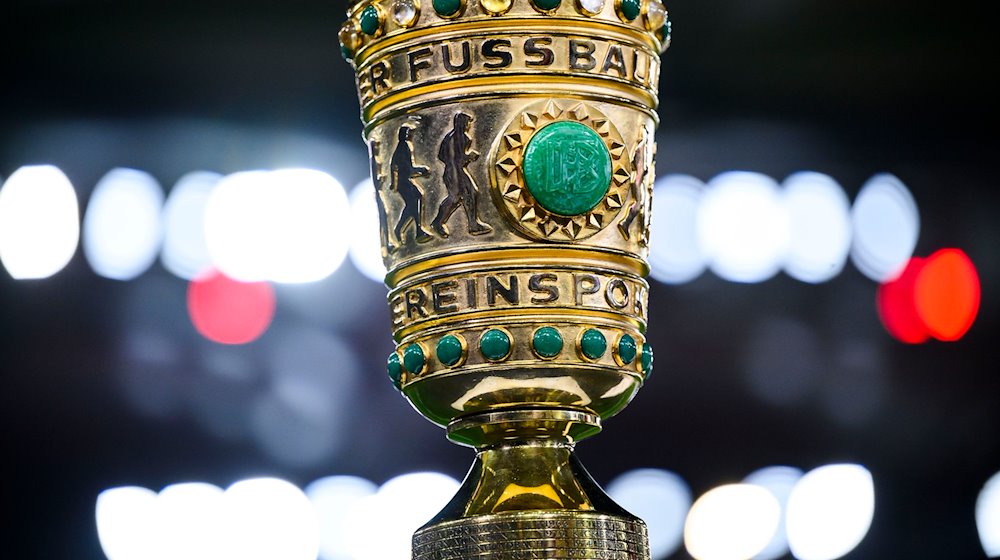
456, 152
383, 219
403, 170
636, 207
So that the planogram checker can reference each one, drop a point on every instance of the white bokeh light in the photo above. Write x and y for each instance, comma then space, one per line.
988, 516
289, 226
886, 226
674, 254
185, 253
661, 499
366, 246
383, 524
743, 227
39, 222
122, 226
819, 226
731, 522
127, 523
830, 511
335, 498
190, 522
269, 519
779, 481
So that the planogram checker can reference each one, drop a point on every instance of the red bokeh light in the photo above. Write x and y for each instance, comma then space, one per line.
947, 294
896, 305
227, 311
934, 297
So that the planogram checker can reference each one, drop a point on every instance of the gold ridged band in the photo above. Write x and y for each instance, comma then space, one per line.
553, 535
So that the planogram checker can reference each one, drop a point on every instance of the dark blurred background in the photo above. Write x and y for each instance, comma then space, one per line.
106, 383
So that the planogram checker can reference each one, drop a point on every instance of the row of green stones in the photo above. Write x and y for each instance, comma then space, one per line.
404, 12
495, 345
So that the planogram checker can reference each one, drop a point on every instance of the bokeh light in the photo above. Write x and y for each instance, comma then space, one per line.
895, 301
289, 225
779, 481
185, 252
366, 247
228, 311
122, 228
886, 226
335, 498
190, 521
783, 360
819, 225
383, 524
301, 418
674, 254
947, 294
127, 523
830, 511
39, 222
661, 499
731, 522
269, 519
988, 516
743, 227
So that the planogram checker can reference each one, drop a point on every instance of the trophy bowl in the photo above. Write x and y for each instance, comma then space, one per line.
512, 150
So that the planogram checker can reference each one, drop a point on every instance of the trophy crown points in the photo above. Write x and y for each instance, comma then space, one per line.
372, 23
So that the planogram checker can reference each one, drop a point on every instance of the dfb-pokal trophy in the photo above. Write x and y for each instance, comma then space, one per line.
512, 153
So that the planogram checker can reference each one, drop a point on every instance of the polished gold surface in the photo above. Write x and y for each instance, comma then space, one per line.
512, 152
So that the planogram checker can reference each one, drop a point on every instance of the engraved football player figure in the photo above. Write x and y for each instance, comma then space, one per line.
383, 218
402, 172
636, 207
456, 153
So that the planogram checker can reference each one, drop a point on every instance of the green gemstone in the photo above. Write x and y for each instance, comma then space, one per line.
447, 8
547, 4
449, 350
494, 344
567, 168
626, 349
413, 358
665, 30
346, 53
370, 21
630, 9
547, 342
646, 360
593, 344
395, 369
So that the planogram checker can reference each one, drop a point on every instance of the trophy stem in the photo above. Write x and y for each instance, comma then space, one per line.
528, 496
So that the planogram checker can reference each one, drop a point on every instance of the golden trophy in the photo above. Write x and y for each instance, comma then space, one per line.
512, 152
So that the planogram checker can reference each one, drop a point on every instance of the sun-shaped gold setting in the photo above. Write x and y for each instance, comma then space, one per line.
511, 192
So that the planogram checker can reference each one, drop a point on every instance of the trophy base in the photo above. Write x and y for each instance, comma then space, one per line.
525, 535
527, 496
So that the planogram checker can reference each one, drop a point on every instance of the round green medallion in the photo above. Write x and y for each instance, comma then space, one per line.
369, 20
630, 9
593, 344
567, 168
547, 5
626, 349
494, 344
395, 369
449, 350
447, 8
413, 358
547, 342
646, 360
